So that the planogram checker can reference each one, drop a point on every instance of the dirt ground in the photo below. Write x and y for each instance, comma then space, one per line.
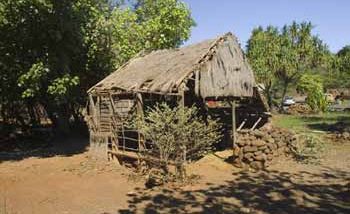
71, 184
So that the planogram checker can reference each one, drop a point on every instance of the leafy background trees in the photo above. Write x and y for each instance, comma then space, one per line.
283, 58
52, 51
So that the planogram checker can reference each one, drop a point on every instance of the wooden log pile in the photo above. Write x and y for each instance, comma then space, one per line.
258, 148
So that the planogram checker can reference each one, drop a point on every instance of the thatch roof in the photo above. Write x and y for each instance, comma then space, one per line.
163, 71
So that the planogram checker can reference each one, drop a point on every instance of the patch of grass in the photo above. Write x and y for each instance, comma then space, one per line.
308, 149
310, 123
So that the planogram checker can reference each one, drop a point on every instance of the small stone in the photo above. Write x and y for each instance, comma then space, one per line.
258, 153
244, 131
236, 151
272, 146
248, 155
244, 210
258, 133
241, 142
240, 155
262, 148
261, 157
250, 149
258, 143
267, 151
257, 165
270, 140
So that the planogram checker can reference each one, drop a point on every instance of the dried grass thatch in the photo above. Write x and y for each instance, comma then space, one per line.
220, 66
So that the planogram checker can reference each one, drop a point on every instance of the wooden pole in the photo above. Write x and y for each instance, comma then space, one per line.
242, 124
196, 83
181, 99
139, 106
256, 123
233, 105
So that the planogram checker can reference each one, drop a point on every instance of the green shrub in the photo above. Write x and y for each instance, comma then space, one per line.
308, 149
312, 85
177, 135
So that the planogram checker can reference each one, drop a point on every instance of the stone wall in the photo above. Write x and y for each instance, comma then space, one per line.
258, 148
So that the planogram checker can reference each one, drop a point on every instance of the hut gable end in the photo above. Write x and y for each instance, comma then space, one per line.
228, 73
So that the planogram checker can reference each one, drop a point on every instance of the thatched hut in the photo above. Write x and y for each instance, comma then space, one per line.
213, 73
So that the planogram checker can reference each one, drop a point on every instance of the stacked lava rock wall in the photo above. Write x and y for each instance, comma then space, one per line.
259, 147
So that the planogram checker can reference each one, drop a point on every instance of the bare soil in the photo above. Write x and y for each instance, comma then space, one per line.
73, 184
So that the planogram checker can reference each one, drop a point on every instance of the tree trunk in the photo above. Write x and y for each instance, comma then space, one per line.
34, 119
59, 118
268, 94
285, 87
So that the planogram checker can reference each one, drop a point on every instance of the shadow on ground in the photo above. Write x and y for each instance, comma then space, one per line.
59, 146
262, 192
338, 123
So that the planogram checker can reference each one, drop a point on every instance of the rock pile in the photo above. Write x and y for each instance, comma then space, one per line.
341, 130
299, 108
344, 136
259, 147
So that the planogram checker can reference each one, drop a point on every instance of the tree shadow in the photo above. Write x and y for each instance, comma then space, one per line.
261, 192
320, 118
59, 146
327, 127
336, 123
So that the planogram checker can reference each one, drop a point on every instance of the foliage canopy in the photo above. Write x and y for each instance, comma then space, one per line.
52, 51
282, 56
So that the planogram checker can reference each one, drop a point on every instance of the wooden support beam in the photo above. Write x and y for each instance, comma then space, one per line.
181, 99
113, 105
196, 83
133, 155
256, 123
242, 124
139, 109
233, 106
98, 113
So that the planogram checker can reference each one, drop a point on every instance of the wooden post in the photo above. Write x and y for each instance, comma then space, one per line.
196, 83
256, 123
181, 103
181, 99
242, 124
233, 106
139, 108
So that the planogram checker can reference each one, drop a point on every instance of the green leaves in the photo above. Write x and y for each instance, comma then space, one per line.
151, 25
36, 78
313, 87
283, 55
54, 50
177, 130
60, 86
343, 67
31, 80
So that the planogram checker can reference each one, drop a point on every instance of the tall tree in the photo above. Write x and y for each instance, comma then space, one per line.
343, 65
54, 50
262, 51
284, 55
300, 52
149, 25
